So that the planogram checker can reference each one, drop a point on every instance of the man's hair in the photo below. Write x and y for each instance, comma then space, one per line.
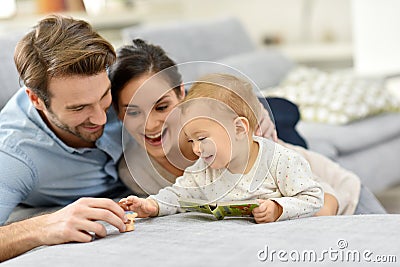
233, 93
58, 47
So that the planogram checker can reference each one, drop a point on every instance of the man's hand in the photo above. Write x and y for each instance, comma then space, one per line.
268, 211
77, 220
144, 207
267, 127
73, 223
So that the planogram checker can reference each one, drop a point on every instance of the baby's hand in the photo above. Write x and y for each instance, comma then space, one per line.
143, 207
125, 203
268, 211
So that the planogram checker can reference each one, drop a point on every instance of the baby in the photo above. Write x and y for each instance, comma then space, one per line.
218, 118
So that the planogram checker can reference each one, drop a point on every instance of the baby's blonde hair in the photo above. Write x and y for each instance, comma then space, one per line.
229, 90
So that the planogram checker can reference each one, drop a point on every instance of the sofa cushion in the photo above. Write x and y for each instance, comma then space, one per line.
195, 40
8, 73
354, 136
377, 166
266, 67
194, 239
335, 98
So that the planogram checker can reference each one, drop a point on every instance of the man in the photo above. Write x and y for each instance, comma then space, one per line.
55, 145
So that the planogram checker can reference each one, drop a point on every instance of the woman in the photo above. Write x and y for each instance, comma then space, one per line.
146, 106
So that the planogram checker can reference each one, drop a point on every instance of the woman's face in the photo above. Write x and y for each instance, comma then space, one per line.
144, 106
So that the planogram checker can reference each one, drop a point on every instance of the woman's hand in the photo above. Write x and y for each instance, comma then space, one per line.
267, 127
268, 211
144, 207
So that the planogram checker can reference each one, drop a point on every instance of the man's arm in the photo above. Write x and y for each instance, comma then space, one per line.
19, 237
75, 222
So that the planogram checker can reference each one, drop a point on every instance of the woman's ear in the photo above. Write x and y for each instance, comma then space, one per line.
183, 93
36, 101
242, 127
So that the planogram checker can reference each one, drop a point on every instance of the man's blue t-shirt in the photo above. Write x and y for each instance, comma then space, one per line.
38, 169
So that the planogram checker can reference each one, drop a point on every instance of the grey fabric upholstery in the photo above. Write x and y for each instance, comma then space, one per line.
8, 73
196, 40
193, 239
378, 165
266, 67
370, 147
359, 134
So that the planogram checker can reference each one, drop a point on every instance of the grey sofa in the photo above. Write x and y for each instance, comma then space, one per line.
189, 239
369, 147
8, 73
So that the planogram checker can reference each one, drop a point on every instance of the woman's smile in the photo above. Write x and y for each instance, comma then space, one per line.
155, 139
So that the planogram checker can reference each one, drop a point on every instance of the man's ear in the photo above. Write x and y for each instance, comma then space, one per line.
36, 101
242, 127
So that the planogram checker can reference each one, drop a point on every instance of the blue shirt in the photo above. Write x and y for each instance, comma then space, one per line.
39, 169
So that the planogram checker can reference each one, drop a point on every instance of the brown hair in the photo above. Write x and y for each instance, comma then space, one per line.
60, 46
141, 58
229, 90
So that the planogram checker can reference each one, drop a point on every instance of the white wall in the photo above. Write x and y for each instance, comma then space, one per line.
376, 29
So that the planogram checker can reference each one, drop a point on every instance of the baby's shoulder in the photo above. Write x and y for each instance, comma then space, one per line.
274, 150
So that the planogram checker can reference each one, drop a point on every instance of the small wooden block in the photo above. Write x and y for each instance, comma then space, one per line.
130, 225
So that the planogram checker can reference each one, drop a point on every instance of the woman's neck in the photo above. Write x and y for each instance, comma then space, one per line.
169, 167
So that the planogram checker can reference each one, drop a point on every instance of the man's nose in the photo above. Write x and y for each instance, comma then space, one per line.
99, 116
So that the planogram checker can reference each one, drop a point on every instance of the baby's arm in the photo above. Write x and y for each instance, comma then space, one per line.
166, 201
144, 207
302, 196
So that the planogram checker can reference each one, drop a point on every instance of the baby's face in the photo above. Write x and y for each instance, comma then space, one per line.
211, 141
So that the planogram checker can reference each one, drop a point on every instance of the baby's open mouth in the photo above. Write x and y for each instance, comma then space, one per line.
208, 158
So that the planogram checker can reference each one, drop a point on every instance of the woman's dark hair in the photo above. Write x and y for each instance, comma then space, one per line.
137, 59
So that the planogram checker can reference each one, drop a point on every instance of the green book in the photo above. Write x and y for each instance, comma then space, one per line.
219, 209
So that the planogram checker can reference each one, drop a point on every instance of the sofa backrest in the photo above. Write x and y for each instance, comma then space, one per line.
8, 73
195, 40
222, 41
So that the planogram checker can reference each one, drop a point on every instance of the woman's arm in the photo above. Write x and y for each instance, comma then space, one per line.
267, 127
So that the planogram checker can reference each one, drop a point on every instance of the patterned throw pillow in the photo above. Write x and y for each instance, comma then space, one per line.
334, 98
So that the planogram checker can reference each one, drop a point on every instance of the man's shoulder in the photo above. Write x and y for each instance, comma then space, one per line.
16, 124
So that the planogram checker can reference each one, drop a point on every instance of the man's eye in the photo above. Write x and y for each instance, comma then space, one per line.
78, 108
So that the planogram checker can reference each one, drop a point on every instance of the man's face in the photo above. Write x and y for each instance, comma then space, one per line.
78, 105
